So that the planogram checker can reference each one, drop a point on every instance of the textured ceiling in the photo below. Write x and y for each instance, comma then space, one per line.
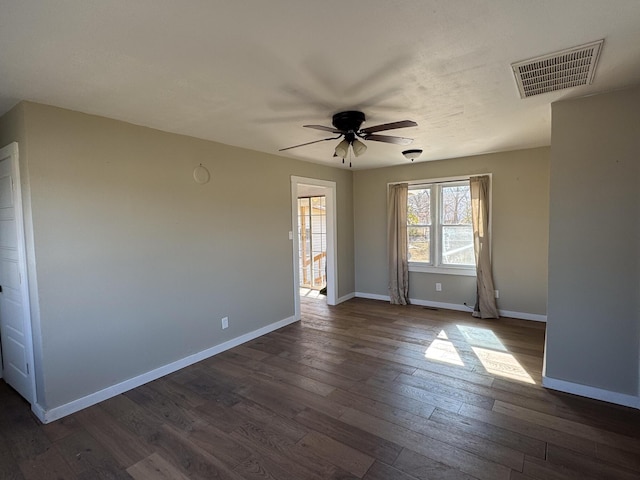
251, 73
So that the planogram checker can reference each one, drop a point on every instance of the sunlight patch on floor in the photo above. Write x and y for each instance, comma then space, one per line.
310, 293
481, 337
443, 351
491, 352
503, 364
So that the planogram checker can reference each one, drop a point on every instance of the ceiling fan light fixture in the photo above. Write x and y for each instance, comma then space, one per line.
412, 154
358, 147
342, 149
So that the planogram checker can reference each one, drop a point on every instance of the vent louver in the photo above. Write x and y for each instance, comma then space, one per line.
555, 71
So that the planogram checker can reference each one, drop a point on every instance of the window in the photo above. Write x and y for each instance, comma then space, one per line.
439, 228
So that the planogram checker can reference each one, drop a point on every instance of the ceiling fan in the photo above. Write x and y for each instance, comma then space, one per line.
347, 124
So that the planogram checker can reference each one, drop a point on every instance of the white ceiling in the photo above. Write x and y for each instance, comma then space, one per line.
250, 73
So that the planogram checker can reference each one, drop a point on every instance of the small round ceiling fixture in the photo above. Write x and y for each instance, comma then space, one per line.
412, 154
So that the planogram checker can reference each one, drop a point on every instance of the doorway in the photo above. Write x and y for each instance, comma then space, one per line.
314, 238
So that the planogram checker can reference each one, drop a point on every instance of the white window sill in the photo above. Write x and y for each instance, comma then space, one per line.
463, 271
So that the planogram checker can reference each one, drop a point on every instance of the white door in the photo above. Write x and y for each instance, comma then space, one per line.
15, 317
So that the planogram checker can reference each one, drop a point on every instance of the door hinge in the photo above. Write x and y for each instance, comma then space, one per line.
13, 186
27, 369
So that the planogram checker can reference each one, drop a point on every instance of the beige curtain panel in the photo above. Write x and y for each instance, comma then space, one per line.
485, 298
397, 244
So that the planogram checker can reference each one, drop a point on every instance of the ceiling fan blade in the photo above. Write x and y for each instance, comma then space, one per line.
389, 126
323, 128
389, 139
309, 143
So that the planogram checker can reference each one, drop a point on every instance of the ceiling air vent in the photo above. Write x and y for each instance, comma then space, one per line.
555, 71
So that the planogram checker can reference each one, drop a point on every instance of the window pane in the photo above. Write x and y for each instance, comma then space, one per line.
456, 205
419, 244
318, 202
419, 207
457, 245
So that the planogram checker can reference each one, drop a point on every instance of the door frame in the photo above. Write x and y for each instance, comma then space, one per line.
11, 152
332, 239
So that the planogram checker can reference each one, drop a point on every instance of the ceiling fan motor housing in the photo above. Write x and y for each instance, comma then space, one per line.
349, 121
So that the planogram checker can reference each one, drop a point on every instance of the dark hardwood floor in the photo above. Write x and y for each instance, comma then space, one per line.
362, 390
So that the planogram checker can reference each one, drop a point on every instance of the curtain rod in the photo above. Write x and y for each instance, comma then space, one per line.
457, 178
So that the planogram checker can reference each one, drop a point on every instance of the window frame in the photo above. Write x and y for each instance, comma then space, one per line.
436, 265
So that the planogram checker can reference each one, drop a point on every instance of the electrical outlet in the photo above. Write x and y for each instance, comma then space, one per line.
497, 293
225, 322
438, 287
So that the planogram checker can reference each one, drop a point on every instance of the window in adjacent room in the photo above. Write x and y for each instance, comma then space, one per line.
439, 228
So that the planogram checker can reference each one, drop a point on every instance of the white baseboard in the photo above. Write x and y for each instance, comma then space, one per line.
346, 297
455, 306
591, 392
47, 416
536, 317
373, 296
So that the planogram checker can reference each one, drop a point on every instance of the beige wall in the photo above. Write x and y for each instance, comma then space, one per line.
137, 263
593, 331
520, 229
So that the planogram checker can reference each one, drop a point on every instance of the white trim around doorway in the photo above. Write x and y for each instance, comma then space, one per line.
332, 257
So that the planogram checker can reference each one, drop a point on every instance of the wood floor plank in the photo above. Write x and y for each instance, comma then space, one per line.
545, 434
342, 455
616, 456
9, 467
457, 392
286, 399
272, 371
280, 459
587, 465
539, 469
218, 444
425, 396
370, 444
61, 428
569, 426
446, 372
463, 425
264, 467
382, 471
447, 432
384, 410
268, 420
220, 415
121, 444
429, 447
181, 451
154, 467
328, 378
88, 458
424, 468
380, 395
49, 465
21, 431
